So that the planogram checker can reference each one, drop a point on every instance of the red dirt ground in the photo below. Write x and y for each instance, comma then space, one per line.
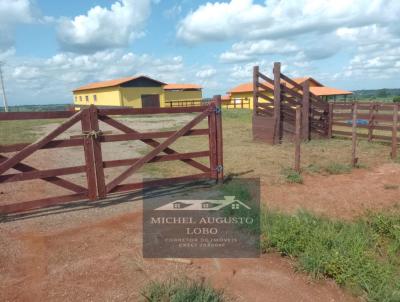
95, 255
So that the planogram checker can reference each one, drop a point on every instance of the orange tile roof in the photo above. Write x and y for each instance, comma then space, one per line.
111, 83
226, 97
326, 91
247, 87
319, 91
303, 79
181, 86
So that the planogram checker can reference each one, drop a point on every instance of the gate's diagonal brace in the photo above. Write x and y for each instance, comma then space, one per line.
53, 180
137, 165
28, 150
151, 142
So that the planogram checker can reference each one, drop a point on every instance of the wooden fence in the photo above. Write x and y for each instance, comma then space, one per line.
95, 167
275, 101
185, 103
237, 103
373, 121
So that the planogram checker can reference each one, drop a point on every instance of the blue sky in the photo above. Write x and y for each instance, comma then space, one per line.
51, 47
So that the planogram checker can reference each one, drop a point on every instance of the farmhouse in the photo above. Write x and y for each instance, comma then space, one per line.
241, 96
136, 92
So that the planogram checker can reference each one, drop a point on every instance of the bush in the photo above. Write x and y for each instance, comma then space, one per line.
361, 255
336, 168
292, 176
181, 290
396, 99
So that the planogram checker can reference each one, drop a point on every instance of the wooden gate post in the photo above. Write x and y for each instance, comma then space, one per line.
220, 157
297, 139
255, 89
396, 108
354, 159
277, 102
330, 120
371, 121
306, 111
212, 134
89, 156
97, 155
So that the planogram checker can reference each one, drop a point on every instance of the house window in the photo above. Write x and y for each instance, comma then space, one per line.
87, 98
235, 206
80, 98
76, 99
94, 98
177, 205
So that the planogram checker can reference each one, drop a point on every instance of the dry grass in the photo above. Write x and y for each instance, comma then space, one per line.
244, 157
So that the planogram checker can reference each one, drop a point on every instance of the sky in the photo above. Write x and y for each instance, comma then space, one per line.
51, 47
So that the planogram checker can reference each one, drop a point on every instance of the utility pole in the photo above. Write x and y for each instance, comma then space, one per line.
3, 89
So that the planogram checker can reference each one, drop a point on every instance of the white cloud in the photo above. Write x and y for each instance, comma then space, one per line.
13, 13
52, 80
173, 11
245, 51
244, 19
206, 73
103, 28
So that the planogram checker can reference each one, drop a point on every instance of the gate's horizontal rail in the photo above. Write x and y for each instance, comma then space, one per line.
12, 116
53, 180
34, 204
144, 135
161, 182
159, 158
40, 174
59, 143
140, 111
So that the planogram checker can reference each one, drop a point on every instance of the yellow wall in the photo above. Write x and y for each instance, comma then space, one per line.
104, 97
182, 95
131, 96
249, 95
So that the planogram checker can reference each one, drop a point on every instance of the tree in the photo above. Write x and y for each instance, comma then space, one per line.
396, 99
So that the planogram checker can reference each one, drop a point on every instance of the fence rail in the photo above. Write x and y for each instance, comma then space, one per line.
373, 121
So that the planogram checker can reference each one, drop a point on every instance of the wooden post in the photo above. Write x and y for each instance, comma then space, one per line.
306, 111
394, 130
89, 157
97, 155
330, 120
354, 159
371, 118
220, 157
255, 89
277, 102
297, 139
213, 142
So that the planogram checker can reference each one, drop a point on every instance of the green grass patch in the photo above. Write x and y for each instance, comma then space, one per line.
292, 176
182, 290
337, 168
23, 131
361, 255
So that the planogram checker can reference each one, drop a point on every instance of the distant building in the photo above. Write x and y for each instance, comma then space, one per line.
137, 92
243, 93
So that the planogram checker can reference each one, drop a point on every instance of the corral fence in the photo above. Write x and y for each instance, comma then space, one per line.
91, 140
274, 109
185, 103
371, 121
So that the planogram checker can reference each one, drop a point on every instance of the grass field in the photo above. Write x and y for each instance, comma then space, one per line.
361, 255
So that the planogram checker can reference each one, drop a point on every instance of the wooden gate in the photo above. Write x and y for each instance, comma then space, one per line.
92, 138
